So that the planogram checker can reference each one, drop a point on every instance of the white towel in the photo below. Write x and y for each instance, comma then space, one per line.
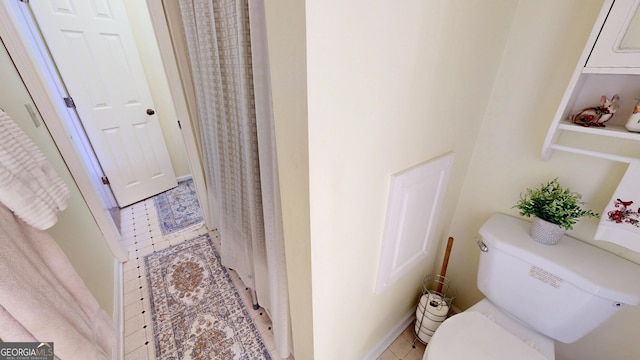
29, 186
42, 297
620, 219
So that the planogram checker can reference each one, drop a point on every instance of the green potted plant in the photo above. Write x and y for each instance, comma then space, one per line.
554, 209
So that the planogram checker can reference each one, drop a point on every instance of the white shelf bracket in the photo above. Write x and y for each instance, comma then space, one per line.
623, 159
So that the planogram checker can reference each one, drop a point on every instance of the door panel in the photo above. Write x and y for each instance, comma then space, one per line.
618, 44
93, 48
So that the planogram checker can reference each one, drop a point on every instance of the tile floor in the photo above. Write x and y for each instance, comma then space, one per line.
402, 348
141, 235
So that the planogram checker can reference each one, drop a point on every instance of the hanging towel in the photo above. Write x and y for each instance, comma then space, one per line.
29, 186
620, 219
42, 297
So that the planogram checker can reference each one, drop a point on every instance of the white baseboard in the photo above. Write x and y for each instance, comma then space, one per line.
183, 178
384, 343
118, 310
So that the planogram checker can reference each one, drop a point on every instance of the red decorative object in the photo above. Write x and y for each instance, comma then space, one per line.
622, 213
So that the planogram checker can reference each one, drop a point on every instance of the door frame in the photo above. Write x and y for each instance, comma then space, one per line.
33, 78
171, 69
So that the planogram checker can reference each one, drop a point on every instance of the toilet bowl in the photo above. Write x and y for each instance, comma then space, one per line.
484, 332
535, 294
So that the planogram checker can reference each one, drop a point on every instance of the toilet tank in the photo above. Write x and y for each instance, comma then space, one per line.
562, 291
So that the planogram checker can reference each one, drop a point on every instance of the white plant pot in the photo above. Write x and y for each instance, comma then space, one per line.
545, 232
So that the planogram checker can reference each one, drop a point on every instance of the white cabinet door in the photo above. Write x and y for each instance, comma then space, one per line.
94, 50
618, 45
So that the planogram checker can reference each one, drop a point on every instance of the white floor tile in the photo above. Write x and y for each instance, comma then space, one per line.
401, 347
151, 350
133, 309
131, 285
140, 353
177, 239
129, 265
388, 355
261, 320
134, 340
161, 245
143, 240
131, 299
134, 324
131, 274
145, 250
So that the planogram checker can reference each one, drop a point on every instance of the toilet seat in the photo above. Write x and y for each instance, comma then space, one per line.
471, 335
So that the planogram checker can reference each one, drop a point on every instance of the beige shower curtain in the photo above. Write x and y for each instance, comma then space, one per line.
236, 136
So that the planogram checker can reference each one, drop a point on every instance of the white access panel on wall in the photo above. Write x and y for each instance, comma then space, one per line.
415, 199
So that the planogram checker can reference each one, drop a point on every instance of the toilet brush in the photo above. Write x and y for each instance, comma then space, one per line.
445, 262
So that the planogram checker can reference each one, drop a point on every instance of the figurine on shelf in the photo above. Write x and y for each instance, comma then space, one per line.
633, 124
598, 115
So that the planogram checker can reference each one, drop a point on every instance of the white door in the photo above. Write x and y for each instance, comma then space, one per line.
94, 50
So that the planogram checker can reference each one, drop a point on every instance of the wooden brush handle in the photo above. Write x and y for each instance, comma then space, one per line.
445, 262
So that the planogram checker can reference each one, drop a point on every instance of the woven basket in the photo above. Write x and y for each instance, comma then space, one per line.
545, 232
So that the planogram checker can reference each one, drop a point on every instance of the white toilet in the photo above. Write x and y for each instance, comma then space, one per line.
535, 294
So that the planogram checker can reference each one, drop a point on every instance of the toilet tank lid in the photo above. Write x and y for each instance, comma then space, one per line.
585, 266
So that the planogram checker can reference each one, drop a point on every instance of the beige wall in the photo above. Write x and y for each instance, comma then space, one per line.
389, 85
544, 44
76, 230
146, 42
287, 56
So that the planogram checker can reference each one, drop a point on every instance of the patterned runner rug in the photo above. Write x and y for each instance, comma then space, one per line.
196, 311
178, 208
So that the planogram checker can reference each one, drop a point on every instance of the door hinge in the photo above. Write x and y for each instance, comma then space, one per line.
179, 125
69, 102
105, 180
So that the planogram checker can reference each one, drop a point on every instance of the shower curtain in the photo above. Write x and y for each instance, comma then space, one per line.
236, 138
